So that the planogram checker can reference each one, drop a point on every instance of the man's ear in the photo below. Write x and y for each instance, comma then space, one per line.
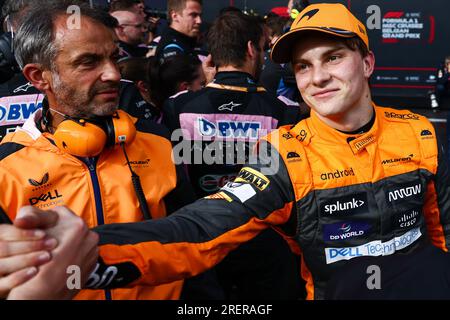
369, 64
251, 50
183, 86
173, 15
38, 77
141, 86
119, 32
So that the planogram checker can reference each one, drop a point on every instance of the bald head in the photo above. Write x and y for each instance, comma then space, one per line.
132, 27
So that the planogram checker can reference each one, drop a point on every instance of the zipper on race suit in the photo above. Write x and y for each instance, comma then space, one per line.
91, 163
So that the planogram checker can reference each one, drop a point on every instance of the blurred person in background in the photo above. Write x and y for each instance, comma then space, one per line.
19, 99
132, 32
146, 84
184, 28
79, 150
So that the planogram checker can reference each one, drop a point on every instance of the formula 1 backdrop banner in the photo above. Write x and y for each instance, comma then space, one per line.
410, 39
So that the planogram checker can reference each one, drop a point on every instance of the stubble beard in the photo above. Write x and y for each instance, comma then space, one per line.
77, 104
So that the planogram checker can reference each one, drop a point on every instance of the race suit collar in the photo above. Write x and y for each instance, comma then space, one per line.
236, 78
30, 126
357, 142
190, 41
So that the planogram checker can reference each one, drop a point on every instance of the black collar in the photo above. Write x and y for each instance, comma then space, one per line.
365, 128
132, 50
184, 39
235, 78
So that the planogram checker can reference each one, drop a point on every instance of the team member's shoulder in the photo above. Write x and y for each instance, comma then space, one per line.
271, 99
186, 96
186, 101
397, 115
288, 135
150, 127
9, 148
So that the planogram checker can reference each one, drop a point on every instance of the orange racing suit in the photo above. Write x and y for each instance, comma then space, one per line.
35, 172
337, 196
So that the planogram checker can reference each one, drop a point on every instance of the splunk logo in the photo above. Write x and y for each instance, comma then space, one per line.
229, 129
344, 230
337, 174
404, 192
345, 206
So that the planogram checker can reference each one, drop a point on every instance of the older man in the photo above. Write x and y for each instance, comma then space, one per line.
353, 180
80, 151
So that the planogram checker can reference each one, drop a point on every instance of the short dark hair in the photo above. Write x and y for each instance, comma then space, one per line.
34, 41
276, 24
229, 35
15, 10
179, 5
229, 9
447, 59
356, 44
165, 78
132, 69
122, 5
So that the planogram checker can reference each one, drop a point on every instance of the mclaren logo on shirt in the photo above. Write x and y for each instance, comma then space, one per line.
397, 160
145, 163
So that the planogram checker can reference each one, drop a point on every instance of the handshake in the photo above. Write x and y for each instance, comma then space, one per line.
38, 251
